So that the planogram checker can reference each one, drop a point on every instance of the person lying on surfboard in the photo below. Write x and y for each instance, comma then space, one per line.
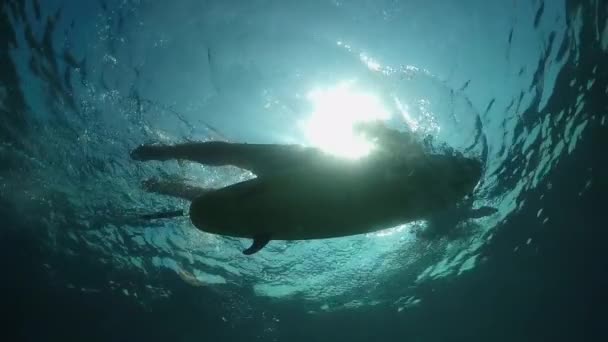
302, 193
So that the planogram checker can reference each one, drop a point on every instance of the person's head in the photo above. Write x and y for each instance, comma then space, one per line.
452, 176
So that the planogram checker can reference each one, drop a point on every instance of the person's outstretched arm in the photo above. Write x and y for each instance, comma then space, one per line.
257, 158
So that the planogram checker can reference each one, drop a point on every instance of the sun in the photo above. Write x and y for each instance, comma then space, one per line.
336, 110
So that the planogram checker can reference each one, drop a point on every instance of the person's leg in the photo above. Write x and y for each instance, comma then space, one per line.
174, 188
257, 158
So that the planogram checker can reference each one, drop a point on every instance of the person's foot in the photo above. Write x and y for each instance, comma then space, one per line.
149, 152
149, 183
161, 185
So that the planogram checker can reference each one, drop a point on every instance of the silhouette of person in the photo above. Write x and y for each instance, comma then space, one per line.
303, 193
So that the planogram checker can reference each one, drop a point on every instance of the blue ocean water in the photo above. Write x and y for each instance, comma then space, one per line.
520, 84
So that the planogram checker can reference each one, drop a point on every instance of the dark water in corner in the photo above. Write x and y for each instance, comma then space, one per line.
522, 84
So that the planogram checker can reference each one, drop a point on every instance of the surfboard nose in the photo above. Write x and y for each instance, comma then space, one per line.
473, 168
470, 173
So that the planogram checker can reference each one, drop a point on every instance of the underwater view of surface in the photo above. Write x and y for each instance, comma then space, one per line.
521, 85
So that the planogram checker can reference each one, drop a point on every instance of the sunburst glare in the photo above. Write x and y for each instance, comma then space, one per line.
336, 110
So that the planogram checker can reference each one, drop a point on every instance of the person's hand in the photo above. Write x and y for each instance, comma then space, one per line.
149, 152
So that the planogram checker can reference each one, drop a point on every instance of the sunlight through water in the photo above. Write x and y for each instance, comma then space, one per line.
336, 110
